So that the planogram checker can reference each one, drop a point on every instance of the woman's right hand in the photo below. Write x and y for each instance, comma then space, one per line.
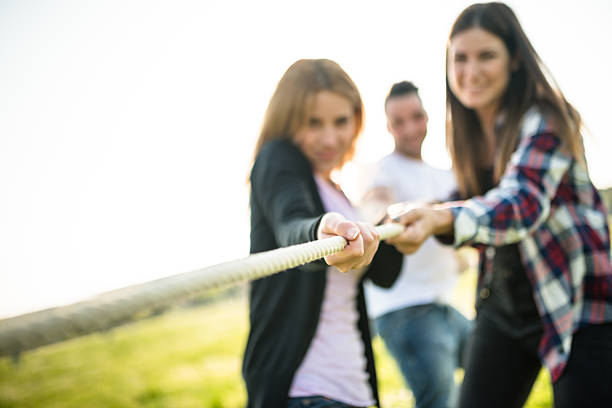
362, 238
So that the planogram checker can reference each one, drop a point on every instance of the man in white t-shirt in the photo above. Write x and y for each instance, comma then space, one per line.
425, 335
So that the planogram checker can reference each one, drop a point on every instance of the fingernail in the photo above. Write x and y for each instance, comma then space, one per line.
397, 219
353, 232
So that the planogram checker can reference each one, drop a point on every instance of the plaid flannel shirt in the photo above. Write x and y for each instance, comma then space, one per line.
547, 204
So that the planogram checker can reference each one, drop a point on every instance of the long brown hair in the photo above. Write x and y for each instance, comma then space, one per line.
530, 84
292, 100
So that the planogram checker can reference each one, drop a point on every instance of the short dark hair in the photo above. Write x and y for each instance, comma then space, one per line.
401, 89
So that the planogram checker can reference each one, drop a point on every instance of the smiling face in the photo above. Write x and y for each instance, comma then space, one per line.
328, 133
407, 122
478, 69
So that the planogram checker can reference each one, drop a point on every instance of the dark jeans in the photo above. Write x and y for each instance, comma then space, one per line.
501, 370
316, 402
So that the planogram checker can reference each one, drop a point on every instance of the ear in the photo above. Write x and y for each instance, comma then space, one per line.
388, 126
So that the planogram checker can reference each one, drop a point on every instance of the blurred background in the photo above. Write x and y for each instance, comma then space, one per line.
126, 134
127, 127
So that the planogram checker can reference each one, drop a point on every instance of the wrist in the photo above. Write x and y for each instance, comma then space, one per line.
444, 220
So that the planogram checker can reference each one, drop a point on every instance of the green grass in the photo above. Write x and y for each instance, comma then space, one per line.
184, 358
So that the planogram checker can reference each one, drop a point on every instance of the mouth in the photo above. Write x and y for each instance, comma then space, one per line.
327, 155
475, 90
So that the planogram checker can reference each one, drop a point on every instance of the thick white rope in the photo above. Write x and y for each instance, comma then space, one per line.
110, 309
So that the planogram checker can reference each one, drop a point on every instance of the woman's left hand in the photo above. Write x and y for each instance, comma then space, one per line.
421, 223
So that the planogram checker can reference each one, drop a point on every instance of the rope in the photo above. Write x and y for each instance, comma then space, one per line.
111, 309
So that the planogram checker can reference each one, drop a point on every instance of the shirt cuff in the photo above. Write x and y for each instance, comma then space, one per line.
465, 225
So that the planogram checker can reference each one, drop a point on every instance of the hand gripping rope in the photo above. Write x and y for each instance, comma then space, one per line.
110, 309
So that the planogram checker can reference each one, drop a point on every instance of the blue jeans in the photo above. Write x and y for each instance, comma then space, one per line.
316, 402
428, 343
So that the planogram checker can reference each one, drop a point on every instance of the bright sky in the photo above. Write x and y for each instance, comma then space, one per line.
126, 127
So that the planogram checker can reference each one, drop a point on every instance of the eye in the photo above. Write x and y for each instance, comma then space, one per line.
341, 121
487, 55
460, 57
314, 123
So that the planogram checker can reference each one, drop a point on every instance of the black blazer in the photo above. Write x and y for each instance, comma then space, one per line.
284, 308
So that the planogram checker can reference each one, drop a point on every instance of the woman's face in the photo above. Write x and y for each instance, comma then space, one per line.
328, 133
478, 69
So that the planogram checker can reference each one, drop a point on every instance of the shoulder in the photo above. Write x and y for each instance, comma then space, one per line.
436, 171
280, 154
278, 149
539, 131
540, 153
444, 178
445, 174
387, 160
535, 121
383, 172
433, 168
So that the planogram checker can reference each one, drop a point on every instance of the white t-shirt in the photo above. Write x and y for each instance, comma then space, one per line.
429, 274
335, 365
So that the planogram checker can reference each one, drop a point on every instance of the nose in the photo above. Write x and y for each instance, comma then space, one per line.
328, 136
471, 70
412, 132
409, 128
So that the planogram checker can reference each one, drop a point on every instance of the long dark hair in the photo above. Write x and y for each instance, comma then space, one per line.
530, 84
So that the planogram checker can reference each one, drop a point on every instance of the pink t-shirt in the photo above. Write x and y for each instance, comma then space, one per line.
335, 363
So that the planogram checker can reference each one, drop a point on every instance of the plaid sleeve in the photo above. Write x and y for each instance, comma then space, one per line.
521, 201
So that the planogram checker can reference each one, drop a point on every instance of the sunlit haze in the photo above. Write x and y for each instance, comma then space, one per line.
127, 127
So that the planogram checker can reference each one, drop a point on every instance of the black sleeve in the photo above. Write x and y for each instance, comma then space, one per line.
385, 266
281, 183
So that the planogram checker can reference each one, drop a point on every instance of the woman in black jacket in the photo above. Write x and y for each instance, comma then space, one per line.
309, 341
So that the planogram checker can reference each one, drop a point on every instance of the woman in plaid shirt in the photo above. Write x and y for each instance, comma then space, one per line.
545, 276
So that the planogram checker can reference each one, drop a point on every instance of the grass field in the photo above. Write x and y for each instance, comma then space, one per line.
184, 358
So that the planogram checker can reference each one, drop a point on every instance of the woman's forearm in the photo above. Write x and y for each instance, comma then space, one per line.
443, 221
